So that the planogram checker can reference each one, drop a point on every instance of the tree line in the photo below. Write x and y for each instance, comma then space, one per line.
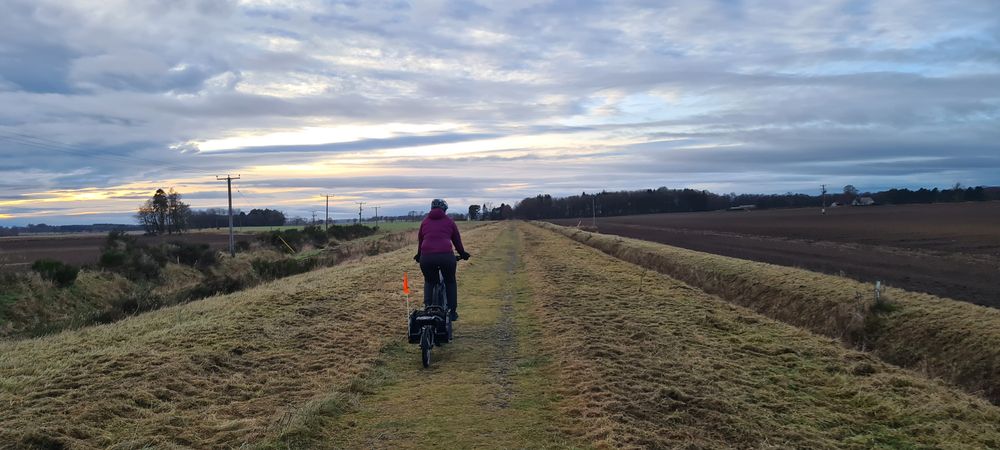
166, 213
487, 211
219, 218
663, 200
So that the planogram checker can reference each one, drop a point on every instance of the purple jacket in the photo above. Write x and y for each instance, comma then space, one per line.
438, 232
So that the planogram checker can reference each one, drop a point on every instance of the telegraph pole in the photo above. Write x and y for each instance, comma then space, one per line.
595, 210
229, 187
823, 196
313, 223
376, 216
361, 207
327, 222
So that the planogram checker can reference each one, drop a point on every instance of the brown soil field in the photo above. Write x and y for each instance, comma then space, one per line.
18, 252
949, 250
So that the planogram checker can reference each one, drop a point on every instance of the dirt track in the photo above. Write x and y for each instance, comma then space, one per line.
951, 250
20, 251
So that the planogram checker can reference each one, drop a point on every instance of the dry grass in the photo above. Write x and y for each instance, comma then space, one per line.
32, 305
649, 362
219, 372
956, 341
487, 389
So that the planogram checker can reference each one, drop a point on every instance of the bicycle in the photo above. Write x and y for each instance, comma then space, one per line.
431, 326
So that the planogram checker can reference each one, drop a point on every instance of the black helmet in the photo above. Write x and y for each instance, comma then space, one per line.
439, 203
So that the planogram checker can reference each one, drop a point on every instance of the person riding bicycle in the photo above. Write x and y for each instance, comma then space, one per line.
434, 253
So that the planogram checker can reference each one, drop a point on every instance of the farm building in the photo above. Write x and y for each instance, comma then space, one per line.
863, 201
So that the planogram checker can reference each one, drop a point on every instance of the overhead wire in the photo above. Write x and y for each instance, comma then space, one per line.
56, 146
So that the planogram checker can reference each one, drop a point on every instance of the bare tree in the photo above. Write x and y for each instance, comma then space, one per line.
178, 213
165, 212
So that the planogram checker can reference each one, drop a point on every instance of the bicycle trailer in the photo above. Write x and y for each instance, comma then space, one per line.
435, 317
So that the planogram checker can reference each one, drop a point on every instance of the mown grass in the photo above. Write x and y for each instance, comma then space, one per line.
216, 373
645, 361
487, 389
941, 338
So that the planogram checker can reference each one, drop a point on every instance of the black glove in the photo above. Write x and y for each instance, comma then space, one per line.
465, 255
417, 257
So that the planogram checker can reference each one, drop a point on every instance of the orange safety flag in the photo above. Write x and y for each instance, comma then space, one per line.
406, 284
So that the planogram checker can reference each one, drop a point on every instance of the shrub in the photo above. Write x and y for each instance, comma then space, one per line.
315, 235
186, 253
62, 274
282, 267
350, 232
122, 254
279, 238
112, 259
296, 238
116, 237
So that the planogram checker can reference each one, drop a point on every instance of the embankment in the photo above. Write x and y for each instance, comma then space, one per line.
646, 361
952, 340
223, 372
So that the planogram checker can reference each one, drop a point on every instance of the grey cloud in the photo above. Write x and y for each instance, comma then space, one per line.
367, 144
806, 93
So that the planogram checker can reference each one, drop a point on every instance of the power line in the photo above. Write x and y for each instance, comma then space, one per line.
67, 148
56, 146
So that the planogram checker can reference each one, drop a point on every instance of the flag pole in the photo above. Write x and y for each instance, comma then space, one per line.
406, 290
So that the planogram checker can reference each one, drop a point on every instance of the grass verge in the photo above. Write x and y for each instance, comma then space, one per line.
941, 338
645, 361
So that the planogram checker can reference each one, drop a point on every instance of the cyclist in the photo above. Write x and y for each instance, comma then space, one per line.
434, 253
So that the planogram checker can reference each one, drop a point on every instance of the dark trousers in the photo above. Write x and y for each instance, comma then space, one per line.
430, 264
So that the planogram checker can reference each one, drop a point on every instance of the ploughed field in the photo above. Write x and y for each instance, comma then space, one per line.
566, 340
950, 250
18, 252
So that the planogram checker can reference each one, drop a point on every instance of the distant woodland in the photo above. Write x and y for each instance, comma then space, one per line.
663, 200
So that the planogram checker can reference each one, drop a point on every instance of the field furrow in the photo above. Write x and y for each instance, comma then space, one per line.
645, 361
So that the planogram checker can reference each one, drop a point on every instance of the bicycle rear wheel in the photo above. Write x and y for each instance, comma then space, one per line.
426, 343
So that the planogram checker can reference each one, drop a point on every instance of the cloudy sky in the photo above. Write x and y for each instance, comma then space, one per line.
397, 102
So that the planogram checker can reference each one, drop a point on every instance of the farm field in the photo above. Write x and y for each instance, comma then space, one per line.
559, 346
18, 252
389, 227
950, 250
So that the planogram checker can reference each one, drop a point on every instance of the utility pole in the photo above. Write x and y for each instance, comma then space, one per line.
229, 187
595, 209
823, 196
376, 216
361, 207
314, 217
327, 221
